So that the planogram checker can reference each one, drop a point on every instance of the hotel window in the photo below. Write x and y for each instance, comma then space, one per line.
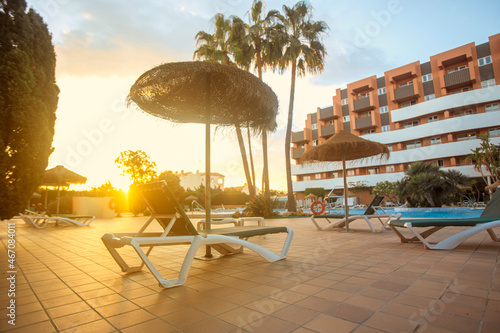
438, 163
336, 174
370, 131
457, 69
345, 101
389, 168
351, 173
432, 119
365, 95
386, 128
389, 147
404, 84
461, 113
410, 123
314, 126
413, 144
466, 136
317, 176
331, 122
381, 91
435, 141
384, 109
373, 171
494, 132
306, 178
409, 103
488, 83
295, 178
429, 97
346, 119
484, 61
365, 114
426, 77
492, 107
315, 142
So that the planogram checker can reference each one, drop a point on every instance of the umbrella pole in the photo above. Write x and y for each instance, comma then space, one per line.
208, 196
58, 196
346, 199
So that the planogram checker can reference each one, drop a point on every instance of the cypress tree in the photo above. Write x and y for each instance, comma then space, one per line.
28, 102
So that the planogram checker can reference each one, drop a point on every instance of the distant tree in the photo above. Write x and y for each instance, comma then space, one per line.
174, 182
425, 185
388, 188
317, 191
487, 155
28, 101
137, 165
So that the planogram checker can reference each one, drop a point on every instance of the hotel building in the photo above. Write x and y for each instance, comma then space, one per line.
432, 111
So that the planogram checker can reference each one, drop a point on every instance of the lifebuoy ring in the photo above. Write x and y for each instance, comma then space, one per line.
314, 205
112, 204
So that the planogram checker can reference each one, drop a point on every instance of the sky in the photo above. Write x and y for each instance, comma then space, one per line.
103, 46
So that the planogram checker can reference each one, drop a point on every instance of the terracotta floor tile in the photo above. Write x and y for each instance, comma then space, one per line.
132, 318
184, 318
116, 308
334, 295
155, 325
325, 323
366, 302
296, 314
350, 312
76, 319
270, 324
451, 322
241, 316
100, 326
389, 323
317, 303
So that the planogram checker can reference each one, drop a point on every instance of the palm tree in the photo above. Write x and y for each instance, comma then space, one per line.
255, 48
219, 47
299, 39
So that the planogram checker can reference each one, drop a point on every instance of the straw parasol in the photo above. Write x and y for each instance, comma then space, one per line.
60, 176
344, 146
206, 93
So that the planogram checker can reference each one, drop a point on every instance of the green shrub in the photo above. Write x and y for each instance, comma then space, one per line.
262, 206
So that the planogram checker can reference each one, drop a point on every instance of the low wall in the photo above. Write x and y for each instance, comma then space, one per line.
102, 207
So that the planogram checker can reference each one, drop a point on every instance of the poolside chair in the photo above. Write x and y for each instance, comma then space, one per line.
39, 218
373, 211
178, 229
490, 218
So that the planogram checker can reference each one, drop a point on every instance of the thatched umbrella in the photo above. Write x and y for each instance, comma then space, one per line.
59, 177
345, 146
206, 93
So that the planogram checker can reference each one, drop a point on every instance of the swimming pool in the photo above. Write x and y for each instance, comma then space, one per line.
409, 213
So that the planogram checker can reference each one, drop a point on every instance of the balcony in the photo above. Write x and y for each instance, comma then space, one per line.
298, 137
404, 93
363, 104
326, 113
327, 130
297, 153
364, 122
457, 79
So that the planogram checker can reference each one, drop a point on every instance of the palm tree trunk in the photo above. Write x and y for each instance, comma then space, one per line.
251, 189
250, 155
291, 206
265, 161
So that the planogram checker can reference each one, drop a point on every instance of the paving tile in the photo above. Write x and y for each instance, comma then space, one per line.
155, 325
271, 324
389, 323
76, 319
325, 323
350, 312
296, 314
132, 318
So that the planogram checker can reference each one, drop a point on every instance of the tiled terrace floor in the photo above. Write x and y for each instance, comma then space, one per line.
331, 282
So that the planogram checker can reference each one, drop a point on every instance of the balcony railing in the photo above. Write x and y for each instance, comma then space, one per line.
364, 122
457, 78
326, 113
327, 130
297, 153
404, 93
363, 104
298, 137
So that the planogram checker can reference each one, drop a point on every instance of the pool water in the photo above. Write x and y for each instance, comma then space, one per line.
409, 213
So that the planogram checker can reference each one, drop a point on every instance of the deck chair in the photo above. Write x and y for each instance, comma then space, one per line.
39, 218
490, 218
373, 211
178, 229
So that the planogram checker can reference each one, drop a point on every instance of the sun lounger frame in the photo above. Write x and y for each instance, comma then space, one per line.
219, 239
